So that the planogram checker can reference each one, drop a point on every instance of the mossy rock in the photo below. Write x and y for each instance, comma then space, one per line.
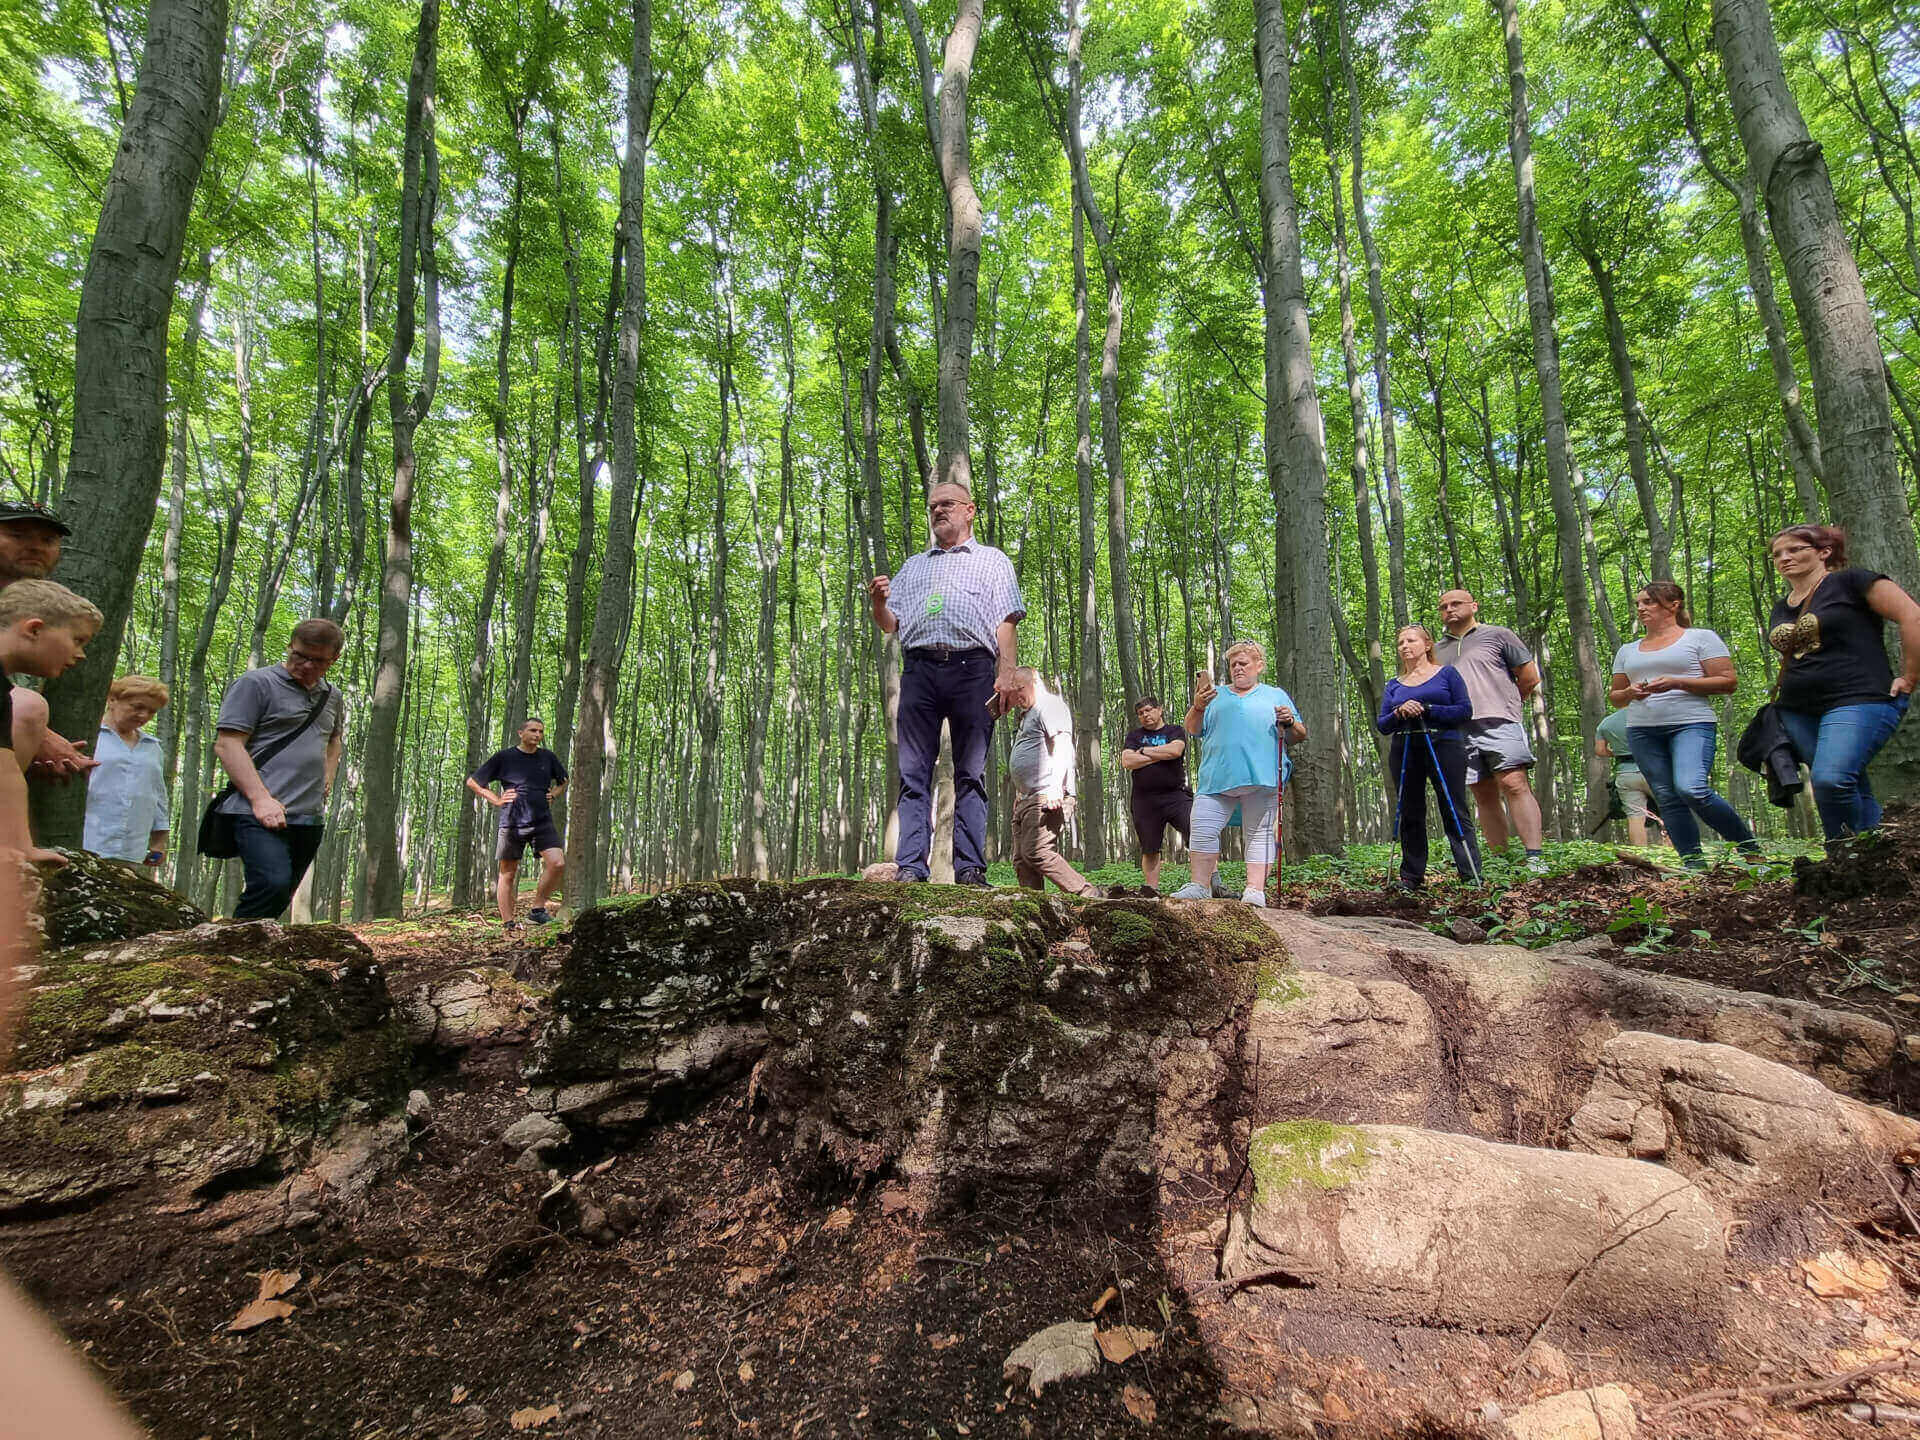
93, 899
1313, 1153
187, 1057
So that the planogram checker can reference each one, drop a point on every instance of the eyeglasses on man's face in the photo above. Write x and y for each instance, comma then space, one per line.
941, 506
301, 657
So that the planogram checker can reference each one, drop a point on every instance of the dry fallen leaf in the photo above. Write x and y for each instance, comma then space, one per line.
275, 1283
746, 1372
1139, 1404
1337, 1410
1106, 1296
841, 1219
943, 1342
1123, 1342
533, 1417
459, 1394
259, 1312
1838, 1275
683, 1382
893, 1201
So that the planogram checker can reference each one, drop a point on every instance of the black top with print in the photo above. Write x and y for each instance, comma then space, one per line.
1833, 644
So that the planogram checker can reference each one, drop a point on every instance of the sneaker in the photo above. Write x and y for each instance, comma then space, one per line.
1191, 891
513, 927
1536, 864
1256, 898
975, 880
539, 916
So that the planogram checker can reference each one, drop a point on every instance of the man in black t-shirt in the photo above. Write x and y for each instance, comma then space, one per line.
1155, 755
530, 776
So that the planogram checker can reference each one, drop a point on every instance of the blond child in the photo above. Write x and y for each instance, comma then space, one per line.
44, 631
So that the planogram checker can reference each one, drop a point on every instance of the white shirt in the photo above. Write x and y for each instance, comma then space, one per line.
1042, 758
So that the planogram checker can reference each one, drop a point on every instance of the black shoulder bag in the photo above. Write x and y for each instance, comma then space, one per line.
216, 825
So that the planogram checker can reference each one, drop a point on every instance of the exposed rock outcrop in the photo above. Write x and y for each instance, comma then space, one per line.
191, 1060
91, 899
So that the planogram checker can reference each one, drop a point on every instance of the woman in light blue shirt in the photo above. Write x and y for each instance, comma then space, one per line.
1240, 765
127, 805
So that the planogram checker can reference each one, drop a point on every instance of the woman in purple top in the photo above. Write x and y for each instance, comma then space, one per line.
1423, 706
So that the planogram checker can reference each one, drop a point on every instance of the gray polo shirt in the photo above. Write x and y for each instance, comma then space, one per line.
1487, 657
268, 703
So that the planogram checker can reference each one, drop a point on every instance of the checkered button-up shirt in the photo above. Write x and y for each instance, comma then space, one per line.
955, 597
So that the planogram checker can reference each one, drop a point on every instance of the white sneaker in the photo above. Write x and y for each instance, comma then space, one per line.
1255, 897
1192, 892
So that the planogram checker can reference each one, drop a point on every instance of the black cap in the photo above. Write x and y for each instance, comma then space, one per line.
12, 510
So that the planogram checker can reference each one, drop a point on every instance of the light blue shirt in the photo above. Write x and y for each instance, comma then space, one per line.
1240, 740
126, 796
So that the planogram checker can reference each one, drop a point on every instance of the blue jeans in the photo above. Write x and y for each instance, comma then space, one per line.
955, 689
274, 861
1837, 746
1678, 763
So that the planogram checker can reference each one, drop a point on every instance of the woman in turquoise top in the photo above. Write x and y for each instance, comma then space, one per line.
1240, 765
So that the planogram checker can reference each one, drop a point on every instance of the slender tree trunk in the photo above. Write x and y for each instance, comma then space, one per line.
1546, 364
1377, 307
118, 451
1092, 690
601, 674
185, 396
1296, 460
381, 874
963, 248
186, 849
1659, 543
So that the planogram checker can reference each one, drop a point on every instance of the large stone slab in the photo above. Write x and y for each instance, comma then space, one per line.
91, 899
1323, 1047
1419, 1227
192, 1059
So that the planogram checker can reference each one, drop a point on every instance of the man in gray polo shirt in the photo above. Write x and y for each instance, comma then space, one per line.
279, 807
955, 605
1500, 673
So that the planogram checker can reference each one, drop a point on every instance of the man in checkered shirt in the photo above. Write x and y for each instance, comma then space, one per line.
955, 605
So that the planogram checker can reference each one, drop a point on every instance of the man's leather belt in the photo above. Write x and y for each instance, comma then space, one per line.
941, 654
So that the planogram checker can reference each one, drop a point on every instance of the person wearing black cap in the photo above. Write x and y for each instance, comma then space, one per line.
30, 539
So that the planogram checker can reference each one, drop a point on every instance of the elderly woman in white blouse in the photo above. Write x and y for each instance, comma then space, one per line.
127, 804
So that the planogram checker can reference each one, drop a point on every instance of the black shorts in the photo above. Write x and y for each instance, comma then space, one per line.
1157, 809
514, 839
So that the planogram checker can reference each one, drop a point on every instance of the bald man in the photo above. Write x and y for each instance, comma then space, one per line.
1500, 673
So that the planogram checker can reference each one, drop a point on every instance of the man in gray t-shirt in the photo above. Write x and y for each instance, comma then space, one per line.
279, 804
1499, 673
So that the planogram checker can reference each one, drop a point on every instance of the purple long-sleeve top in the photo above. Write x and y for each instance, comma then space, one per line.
1443, 693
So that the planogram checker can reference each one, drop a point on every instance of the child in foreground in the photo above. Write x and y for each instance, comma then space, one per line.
44, 630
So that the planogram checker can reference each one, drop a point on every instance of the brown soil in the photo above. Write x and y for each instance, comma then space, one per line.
750, 1299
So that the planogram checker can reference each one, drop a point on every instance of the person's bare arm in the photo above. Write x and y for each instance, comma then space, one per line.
1007, 644
335, 744
1527, 678
554, 790
1890, 602
1719, 679
230, 749
29, 725
878, 589
1134, 759
1620, 690
1601, 748
485, 793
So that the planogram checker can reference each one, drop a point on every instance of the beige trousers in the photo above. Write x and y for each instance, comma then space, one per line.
1037, 826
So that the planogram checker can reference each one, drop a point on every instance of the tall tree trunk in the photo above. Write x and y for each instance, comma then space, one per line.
1442, 447
186, 847
381, 873
1546, 365
614, 602
1296, 460
1377, 307
119, 446
963, 247
1092, 691
186, 397
1659, 543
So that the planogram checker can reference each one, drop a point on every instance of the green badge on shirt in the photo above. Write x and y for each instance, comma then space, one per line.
936, 603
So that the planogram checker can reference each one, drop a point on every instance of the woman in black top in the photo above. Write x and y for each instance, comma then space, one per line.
1838, 697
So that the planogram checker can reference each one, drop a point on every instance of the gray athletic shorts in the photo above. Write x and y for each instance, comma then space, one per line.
1635, 793
1494, 746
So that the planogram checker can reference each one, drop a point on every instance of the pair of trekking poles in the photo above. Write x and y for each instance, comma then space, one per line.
1458, 835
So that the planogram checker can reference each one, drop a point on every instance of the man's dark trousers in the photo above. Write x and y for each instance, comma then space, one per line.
953, 686
274, 861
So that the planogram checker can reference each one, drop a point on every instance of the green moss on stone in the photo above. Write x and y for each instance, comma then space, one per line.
1277, 985
1307, 1152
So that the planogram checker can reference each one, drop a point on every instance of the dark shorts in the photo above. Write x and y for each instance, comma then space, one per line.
1156, 810
514, 839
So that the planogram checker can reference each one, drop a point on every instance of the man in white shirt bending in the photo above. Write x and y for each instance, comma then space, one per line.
1042, 766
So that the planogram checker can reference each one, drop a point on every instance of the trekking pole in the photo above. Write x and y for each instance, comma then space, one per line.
1400, 806
1279, 811
1446, 797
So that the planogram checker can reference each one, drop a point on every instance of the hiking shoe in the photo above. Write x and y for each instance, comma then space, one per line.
539, 916
975, 880
513, 927
1256, 898
1536, 864
1191, 891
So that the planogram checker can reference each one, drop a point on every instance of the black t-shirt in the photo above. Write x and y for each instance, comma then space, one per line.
1833, 645
532, 775
1163, 775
